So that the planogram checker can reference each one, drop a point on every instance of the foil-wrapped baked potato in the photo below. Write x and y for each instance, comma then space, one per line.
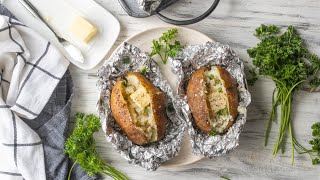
213, 99
139, 108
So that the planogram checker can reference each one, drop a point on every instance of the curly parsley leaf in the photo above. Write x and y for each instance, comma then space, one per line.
81, 147
166, 46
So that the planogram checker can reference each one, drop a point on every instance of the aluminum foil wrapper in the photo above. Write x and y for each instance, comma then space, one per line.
149, 6
211, 53
130, 58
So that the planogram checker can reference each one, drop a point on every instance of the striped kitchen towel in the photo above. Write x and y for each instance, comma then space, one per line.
30, 69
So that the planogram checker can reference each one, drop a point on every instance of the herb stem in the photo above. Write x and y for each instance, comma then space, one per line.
73, 165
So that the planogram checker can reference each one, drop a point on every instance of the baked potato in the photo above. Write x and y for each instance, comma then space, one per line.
213, 99
139, 108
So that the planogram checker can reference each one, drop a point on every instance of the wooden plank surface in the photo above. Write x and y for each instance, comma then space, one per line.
232, 23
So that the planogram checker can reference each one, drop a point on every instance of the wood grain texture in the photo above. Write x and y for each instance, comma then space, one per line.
232, 23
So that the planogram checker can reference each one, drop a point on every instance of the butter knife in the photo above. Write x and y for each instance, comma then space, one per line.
73, 51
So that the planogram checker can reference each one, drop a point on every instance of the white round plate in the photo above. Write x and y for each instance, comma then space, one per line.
187, 37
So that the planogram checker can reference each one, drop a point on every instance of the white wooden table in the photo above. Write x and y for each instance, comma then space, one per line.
232, 23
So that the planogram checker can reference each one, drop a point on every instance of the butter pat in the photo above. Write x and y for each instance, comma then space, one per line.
82, 29
141, 98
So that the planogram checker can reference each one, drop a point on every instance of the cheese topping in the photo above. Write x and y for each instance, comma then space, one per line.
82, 29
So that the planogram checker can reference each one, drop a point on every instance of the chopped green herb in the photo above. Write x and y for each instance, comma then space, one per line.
213, 132
220, 90
211, 76
223, 112
81, 147
217, 81
165, 47
126, 60
144, 70
146, 110
124, 82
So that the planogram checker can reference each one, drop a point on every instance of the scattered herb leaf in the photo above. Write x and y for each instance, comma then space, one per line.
223, 112
166, 46
81, 147
211, 76
144, 70
146, 110
213, 132
124, 82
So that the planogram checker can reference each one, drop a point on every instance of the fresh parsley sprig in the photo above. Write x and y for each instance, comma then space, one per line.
81, 147
166, 46
285, 59
314, 152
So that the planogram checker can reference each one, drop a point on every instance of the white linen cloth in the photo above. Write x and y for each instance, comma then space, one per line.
30, 69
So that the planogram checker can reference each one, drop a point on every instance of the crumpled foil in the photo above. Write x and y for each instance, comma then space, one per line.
211, 53
149, 6
149, 156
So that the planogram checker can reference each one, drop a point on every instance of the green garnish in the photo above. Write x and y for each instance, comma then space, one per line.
211, 76
166, 46
253, 77
220, 90
224, 177
81, 147
314, 152
146, 110
223, 112
124, 82
143, 70
283, 58
213, 132
126, 60
217, 81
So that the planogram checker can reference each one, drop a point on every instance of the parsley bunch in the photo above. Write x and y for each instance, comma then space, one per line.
284, 59
81, 147
166, 46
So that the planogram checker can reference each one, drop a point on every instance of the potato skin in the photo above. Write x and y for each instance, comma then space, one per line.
197, 99
121, 114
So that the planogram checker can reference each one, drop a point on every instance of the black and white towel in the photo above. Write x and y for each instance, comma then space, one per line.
30, 70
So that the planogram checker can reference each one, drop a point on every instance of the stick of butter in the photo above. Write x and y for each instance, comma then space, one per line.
82, 29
